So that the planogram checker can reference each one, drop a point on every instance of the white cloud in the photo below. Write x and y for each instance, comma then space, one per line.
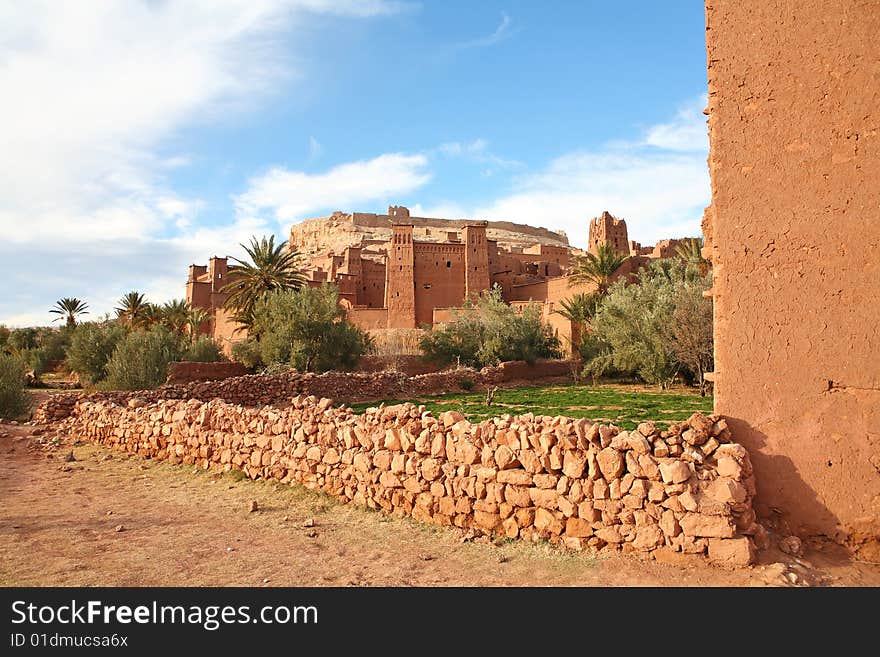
91, 92
315, 148
687, 132
501, 32
477, 151
658, 183
659, 196
293, 195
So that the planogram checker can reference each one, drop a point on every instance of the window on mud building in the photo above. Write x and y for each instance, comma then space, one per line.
449, 263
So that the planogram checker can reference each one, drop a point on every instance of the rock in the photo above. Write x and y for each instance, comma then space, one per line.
574, 463
545, 480
609, 534
669, 525
729, 467
647, 429
588, 512
516, 477
638, 443
792, 545
504, 458
119, 528
448, 418
546, 521
700, 429
308, 522
487, 521
517, 496
661, 449
390, 480
727, 491
253, 506
565, 506
731, 552
701, 525
611, 463
759, 535
431, 469
648, 537
578, 528
674, 472
544, 497
688, 501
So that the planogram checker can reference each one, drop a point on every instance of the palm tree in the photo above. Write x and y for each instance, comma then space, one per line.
175, 315
196, 318
579, 308
271, 267
597, 268
134, 310
691, 251
69, 308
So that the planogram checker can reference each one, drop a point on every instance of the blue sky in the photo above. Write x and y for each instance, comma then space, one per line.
149, 135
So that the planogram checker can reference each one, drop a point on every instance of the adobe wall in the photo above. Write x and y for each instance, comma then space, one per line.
571, 482
368, 318
187, 371
439, 278
372, 292
794, 236
409, 364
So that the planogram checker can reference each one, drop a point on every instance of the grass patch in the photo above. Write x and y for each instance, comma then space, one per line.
623, 406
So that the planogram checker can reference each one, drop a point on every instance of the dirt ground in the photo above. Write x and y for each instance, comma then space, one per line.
113, 519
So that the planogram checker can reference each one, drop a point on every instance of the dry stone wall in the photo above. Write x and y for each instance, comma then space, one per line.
686, 490
261, 389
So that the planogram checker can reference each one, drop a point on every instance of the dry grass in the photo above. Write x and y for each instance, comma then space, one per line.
396, 342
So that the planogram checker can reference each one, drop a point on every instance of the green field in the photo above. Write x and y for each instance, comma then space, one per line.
622, 405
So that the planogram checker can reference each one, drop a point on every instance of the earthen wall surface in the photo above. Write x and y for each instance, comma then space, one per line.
794, 236
187, 371
439, 278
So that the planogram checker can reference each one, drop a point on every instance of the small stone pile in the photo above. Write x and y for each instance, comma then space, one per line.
687, 489
274, 389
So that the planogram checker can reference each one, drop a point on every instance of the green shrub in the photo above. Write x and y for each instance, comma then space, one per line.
307, 329
656, 329
91, 345
489, 332
247, 352
55, 342
466, 383
203, 350
22, 338
15, 401
34, 359
140, 361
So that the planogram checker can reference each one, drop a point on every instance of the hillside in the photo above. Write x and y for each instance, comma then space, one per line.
340, 230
